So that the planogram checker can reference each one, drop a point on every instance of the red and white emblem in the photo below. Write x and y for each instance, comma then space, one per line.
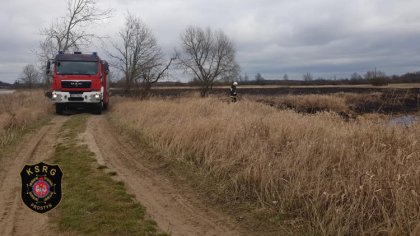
41, 188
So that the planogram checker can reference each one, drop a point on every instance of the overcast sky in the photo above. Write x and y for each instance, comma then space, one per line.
272, 37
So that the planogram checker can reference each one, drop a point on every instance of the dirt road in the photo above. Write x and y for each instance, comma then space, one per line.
15, 217
176, 210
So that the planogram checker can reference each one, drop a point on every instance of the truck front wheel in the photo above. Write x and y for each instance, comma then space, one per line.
59, 108
98, 108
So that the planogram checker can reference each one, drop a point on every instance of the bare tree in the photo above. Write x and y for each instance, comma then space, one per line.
47, 50
69, 32
308, 77
153, 72
208, 55
259, 79
355, 76
374, 74
376, 77
30, 75
138, 56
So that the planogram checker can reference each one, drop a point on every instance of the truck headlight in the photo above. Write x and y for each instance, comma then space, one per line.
97, 96
54, 96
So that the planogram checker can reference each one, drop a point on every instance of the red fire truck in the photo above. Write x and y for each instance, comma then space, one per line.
79, 80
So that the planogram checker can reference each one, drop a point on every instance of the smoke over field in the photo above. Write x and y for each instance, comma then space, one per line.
325, 174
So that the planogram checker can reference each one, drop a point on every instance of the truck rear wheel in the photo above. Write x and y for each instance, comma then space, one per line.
59, 108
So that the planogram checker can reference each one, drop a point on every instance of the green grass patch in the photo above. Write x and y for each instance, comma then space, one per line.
93, 203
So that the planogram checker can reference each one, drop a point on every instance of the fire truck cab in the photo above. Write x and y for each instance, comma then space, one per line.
79, 80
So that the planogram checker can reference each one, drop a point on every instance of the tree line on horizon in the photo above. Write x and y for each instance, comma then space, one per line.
355, 79
373, 77
31, 78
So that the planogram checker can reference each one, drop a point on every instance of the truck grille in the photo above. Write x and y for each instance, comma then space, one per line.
75, 84
76, 99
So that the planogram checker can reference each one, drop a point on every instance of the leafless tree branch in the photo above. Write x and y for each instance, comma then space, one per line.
138, 56
208, 55
30, 75
67, 33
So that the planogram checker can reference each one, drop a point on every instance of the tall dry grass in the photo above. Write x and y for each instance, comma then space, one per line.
340, 178
20, 109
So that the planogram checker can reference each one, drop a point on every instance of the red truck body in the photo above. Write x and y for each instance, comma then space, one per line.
79, 80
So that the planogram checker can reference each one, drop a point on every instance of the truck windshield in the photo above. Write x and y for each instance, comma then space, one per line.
77, 68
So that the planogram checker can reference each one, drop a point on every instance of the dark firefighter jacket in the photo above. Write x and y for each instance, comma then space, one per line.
233, 90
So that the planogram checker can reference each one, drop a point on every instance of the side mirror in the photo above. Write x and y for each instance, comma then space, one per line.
47, 69
106, 68
48, 94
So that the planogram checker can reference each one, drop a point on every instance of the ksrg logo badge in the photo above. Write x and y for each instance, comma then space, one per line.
41, 186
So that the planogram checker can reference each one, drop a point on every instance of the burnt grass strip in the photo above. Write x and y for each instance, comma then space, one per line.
93, 203
393, 100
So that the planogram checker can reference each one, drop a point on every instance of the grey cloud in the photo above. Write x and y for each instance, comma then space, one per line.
272, 37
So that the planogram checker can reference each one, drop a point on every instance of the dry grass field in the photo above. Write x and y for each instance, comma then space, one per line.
292, 158
20, 109
317, 171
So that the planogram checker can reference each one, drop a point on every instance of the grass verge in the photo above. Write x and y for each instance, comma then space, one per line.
20, 113
13, 136
93, 203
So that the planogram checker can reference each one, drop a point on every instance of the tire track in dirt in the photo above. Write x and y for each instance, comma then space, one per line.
177, 211
15, 217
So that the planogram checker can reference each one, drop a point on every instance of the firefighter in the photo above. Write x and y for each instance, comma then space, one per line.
233, 93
